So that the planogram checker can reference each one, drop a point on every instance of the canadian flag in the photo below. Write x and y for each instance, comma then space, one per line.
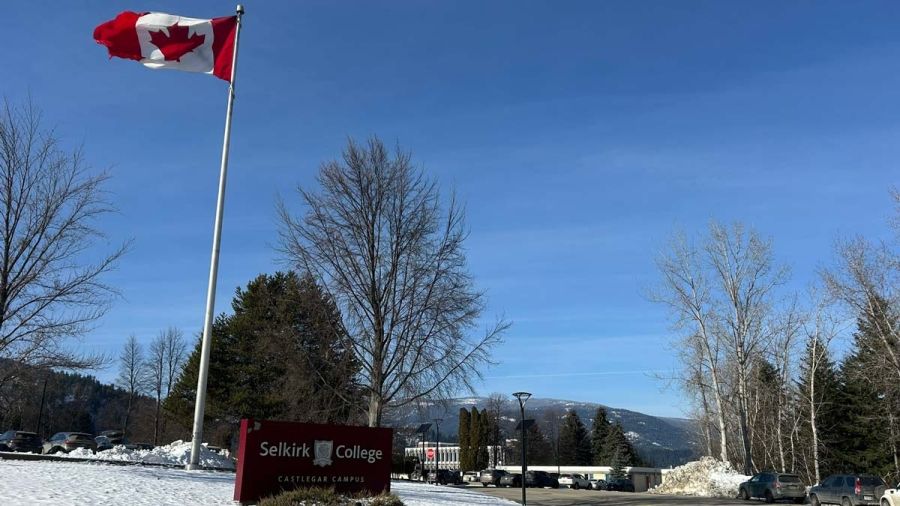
164, 41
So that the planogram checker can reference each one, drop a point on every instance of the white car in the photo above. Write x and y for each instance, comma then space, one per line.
891, 496
574, 481
470, 477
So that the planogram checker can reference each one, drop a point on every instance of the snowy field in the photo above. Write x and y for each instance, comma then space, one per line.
76, 483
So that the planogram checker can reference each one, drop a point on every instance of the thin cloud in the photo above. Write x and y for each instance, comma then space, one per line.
574, 374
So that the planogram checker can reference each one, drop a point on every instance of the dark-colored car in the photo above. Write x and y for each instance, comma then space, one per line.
847, 490
115, 437
540, 479
510, 480
20, 441
68, 441
773, 486
446, 477
491, 477
620, 485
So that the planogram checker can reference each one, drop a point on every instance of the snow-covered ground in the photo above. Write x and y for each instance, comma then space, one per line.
177, 453
706, 477
78, 483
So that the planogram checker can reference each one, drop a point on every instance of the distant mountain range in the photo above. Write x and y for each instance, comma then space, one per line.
661, 441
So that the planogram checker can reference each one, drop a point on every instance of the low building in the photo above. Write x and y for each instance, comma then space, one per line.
447, 457
644, 478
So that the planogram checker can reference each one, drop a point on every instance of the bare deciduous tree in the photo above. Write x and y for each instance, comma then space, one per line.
685, 290
820, 332
133, 375
379, 237
49, 205
721, 295
164, 359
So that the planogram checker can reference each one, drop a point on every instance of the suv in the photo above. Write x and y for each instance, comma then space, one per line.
847, 490
773, 487
19, 441
574, 481
68, 441
891, 496
540, 479
491, 477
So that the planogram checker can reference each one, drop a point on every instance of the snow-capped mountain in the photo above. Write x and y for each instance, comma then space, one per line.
661, 441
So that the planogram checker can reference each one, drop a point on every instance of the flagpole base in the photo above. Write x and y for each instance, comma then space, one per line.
193, 467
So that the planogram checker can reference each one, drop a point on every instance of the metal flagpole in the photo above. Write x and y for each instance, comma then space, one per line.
200, 405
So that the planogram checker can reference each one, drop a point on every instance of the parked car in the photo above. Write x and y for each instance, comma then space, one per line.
20, 441
491, 477
847, 490
891, 496
620, 485
598, 484
574, 481
68, 441
540, 479
103, 443
773, 486
510, 480
446, 477
470, 477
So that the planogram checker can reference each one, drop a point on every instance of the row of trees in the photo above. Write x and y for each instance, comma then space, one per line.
761, 400
151, 373
477, 432
564, 440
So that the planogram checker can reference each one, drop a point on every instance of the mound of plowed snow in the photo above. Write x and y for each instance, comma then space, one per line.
177, 453
706, 477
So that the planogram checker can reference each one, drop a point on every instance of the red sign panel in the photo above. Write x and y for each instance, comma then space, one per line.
430, 454
276, 456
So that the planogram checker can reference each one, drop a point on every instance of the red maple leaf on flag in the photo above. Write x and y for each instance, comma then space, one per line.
177, 43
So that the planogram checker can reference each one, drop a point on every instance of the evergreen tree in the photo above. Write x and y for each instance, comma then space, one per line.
282, 354
574, 445
618, 447
864, 423
475, 438
480, 431
540, 450
465, 460
619, 462
599, 433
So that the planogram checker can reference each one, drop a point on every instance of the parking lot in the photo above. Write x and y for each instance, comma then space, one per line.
567, 497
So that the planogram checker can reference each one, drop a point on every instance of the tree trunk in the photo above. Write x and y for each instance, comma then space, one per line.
376, 406
156, 418
720, 408
742, 414
812, 423
706, 431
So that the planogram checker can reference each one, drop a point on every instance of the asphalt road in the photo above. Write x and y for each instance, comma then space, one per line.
567, 497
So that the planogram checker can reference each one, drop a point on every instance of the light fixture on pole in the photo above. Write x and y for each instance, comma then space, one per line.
523, 398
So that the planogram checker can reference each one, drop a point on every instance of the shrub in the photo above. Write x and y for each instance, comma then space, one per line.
327, 497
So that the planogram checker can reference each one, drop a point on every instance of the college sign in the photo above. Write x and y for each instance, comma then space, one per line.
276, 456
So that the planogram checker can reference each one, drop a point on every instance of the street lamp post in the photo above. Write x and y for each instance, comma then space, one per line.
523, 397
437, 450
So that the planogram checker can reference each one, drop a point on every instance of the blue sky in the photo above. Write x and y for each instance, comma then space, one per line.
579, 135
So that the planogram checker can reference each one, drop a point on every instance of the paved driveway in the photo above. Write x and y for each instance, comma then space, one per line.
567, 497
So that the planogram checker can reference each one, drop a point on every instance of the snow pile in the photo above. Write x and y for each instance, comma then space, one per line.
177, 453
706, 477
